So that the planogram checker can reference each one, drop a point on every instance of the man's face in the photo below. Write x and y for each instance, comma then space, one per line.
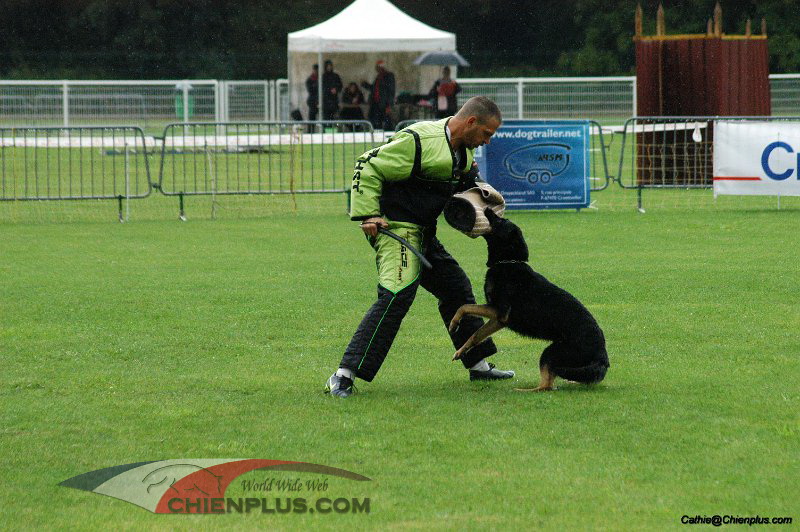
479, 133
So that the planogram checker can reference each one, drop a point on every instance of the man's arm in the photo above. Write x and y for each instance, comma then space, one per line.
391, 162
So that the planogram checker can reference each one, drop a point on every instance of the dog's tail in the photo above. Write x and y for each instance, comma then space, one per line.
594, 372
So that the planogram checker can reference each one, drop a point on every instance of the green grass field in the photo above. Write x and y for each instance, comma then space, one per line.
212, 339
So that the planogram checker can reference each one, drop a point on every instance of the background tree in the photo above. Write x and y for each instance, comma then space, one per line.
152, 39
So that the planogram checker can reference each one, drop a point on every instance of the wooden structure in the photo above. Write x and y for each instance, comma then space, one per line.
704, 74
696, 75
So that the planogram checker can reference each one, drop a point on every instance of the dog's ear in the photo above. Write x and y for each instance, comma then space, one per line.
490, 215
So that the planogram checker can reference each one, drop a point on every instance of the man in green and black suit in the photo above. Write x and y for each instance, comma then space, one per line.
403, 186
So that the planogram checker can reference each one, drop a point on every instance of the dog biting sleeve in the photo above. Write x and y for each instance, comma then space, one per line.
391, 162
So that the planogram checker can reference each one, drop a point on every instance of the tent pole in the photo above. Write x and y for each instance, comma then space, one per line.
321, 71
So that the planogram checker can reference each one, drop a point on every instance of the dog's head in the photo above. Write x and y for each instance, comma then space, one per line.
504, 239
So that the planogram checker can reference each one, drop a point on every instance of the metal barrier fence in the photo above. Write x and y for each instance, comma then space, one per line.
148, 104
671, 152
262, 157
664, 152
600, 98
282, 157
785, 94
70, 163
254, 101
599, 144
153, 104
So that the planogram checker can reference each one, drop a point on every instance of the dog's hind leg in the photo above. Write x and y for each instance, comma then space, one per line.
546, 383
551, 353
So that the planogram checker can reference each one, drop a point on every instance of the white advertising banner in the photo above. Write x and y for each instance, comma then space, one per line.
756, 158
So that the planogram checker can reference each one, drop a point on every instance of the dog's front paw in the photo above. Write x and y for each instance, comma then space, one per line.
458, 354
454, 324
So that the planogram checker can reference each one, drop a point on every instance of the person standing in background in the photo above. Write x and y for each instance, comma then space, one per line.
331, 88
352, 99
313, 97
381, 97
443, 93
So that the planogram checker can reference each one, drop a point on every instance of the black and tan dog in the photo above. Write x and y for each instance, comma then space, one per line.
524, 301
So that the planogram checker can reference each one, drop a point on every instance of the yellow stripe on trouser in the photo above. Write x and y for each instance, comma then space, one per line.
397, 266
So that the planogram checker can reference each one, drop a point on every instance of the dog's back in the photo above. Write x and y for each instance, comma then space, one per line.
537, 308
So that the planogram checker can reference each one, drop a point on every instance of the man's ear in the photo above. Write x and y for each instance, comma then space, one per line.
471, 120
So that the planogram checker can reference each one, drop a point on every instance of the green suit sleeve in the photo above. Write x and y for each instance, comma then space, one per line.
391, 162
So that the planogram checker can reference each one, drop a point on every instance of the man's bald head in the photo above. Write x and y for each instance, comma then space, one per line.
482, 108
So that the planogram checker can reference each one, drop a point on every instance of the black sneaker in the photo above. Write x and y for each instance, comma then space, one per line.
491, 374
339, 386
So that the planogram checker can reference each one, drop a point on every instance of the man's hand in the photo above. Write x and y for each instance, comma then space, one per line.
370, 225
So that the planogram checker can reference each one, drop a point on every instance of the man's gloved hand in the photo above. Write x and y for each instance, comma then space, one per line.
370, 225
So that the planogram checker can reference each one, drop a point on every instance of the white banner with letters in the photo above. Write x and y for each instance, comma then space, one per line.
756, 158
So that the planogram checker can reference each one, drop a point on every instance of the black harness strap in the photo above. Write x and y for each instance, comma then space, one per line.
416, 171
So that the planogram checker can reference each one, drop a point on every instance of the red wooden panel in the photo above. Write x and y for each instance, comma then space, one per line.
647, 65
711, 61
697, 83
706, 76
723, 76
761, 87
767, 96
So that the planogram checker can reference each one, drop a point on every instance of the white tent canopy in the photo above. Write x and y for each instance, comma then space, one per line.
355, 38
371, 26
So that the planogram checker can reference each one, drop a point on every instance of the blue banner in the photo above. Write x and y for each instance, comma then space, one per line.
538, 164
